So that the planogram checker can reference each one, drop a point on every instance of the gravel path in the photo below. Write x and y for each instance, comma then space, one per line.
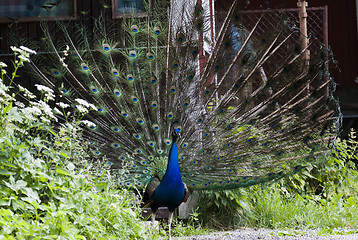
250, 234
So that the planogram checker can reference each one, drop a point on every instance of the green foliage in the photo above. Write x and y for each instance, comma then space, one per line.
221, 209
323, 195
187, 227
48, 188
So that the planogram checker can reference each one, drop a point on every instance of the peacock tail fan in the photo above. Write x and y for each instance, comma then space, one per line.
249, 108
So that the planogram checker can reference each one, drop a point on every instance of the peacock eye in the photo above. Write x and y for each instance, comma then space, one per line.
135, 28
115, 72
130, 77
156, 30
106, 47
84, 66
133, 54
150, 56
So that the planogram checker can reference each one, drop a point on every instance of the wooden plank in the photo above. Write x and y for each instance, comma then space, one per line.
162, 213
4, 45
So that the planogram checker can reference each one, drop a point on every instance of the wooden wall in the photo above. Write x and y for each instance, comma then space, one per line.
31, 28
342, 26
342, 33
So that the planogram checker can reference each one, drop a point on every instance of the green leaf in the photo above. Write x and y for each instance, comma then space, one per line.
63, 172
20, 184
64, 154
6, 172
5, 202
14, 114
52, 132
70, 166
7, 108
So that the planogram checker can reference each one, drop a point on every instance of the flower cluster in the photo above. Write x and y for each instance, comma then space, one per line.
40, 109
48, 92
88, 123
84, 106
5, 98
2, 66
24, 54
65, 54
26, 93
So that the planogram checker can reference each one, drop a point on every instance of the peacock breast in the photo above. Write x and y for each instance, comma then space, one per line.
169, 193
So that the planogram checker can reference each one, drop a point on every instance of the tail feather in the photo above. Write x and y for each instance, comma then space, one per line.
250, 109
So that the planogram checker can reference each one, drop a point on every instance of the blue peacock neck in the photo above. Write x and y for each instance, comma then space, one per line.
171, 190
173, 173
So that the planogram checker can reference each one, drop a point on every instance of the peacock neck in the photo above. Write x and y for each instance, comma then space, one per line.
173, 172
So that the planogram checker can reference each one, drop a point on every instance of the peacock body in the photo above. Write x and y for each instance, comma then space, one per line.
247, 108
170, 191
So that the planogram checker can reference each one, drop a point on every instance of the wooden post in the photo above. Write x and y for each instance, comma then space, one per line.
303, 4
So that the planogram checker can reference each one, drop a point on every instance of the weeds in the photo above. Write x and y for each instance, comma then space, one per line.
47, 188
322, 196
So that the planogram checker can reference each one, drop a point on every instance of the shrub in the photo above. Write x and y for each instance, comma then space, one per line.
49, 189
323, 195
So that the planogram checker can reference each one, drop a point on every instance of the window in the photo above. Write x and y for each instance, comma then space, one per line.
27, 10
123, 8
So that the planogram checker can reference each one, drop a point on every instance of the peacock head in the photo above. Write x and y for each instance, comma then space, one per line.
176, 130
176, 133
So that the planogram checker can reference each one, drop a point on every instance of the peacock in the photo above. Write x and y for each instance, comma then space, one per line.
183, 104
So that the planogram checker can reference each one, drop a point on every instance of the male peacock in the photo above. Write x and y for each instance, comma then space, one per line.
174, 105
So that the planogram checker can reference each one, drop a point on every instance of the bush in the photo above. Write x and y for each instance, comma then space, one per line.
48, 188
324, 195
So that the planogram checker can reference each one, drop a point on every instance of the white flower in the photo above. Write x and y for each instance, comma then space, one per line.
27, 93
27, 49
93, 107
69, 126
21, 88
2, 64
19, 104
3, 86
49, 96
44, 106
54, 118
82, 102
25, 59
43, 88
63, 105
32, 110
88, 123
57, 111
45, 120
15, 49
81, 109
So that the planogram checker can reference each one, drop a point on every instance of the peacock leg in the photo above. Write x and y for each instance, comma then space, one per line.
153, 217
170, 218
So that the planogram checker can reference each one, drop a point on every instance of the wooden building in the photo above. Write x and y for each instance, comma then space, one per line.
340, 19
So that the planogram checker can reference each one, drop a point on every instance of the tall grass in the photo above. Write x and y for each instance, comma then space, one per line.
269, 208
321, 196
